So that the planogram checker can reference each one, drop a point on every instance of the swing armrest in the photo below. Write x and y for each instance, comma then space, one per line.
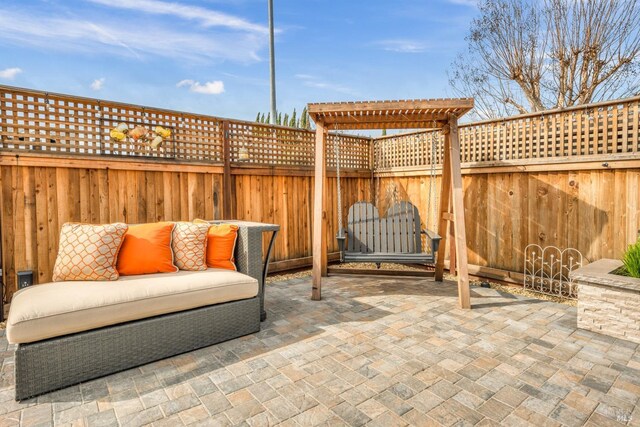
434, 238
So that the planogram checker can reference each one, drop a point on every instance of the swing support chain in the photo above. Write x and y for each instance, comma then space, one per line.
432, 201
341, 237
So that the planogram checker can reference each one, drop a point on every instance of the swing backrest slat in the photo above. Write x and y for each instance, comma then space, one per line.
398, 232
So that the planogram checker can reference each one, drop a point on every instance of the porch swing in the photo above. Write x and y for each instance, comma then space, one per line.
395, 237
368, 237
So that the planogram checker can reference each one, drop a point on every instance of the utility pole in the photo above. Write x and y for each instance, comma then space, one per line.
272, 58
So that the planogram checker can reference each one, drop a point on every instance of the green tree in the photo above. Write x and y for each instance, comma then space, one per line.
293, 122
307, 120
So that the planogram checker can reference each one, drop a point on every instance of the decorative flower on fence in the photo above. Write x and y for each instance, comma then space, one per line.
140, 134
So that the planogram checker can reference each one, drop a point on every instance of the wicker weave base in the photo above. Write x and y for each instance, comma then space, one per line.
60, 362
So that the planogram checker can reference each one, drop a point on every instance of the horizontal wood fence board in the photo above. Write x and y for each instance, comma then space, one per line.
597, 162
18, 158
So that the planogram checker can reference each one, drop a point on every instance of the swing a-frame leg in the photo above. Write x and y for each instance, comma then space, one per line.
319, 215
452, 195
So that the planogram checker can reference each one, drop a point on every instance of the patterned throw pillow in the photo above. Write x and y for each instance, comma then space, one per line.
88, 252
189, 246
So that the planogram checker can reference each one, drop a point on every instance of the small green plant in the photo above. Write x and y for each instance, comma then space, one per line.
631, 260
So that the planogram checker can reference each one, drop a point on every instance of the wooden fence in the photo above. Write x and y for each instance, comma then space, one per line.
567, 178
596, 211
58, 164
40, 194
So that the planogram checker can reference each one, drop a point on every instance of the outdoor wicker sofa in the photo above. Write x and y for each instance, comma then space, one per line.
47, 361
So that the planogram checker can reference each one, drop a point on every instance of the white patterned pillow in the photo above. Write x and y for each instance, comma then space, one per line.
88, 252
189, 246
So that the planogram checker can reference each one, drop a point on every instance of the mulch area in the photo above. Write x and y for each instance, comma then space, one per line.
509, 289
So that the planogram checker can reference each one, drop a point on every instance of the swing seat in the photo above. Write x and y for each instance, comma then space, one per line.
396, 237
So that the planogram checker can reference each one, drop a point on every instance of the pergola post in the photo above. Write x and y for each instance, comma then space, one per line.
457, 201
319, 213
451, 224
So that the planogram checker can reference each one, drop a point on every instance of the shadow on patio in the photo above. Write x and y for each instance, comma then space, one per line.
374, 350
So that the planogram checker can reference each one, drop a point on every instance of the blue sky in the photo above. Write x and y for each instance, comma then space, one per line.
211, 56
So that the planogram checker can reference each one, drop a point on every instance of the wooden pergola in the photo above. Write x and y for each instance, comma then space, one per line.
440, 114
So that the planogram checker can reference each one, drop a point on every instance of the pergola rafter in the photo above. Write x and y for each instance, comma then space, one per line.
440, 114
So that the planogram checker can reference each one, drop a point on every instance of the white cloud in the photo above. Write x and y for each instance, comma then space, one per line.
129, 39
471, 3
207, 17
10, 73
304, 77
215, 87
315, 82
403, 46
98, 84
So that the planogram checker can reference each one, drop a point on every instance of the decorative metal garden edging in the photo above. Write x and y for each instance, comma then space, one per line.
546, 270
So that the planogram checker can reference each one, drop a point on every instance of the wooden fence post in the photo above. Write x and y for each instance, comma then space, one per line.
227, 188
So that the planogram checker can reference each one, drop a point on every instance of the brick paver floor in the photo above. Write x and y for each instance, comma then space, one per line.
376, 351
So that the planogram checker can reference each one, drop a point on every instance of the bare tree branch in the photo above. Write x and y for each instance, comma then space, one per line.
526, 56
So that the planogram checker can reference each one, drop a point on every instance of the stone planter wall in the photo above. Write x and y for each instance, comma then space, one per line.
608, 303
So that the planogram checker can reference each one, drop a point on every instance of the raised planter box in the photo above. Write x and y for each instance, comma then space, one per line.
608, 303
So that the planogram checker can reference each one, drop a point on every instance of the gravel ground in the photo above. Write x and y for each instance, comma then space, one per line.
383, 266
510, 289
519, 290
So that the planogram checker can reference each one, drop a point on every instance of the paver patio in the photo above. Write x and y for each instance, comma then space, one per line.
378, 351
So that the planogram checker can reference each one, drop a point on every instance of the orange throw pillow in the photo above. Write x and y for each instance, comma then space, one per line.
221, 245
147, 249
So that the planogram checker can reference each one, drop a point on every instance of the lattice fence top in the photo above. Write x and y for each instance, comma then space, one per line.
40, 122
280, 146
603, 128
51, 123
56, 124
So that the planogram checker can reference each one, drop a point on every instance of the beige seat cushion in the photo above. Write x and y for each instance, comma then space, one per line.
61, 308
